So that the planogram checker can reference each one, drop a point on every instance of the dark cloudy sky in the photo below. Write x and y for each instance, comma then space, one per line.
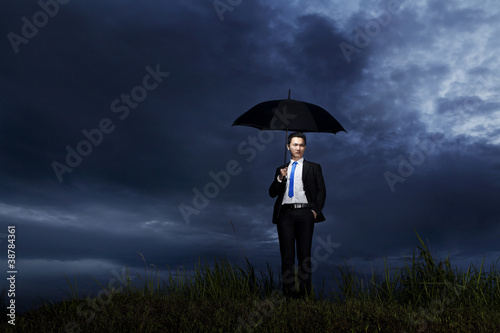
156, 85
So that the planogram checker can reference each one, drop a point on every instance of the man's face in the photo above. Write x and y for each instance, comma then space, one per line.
297, 148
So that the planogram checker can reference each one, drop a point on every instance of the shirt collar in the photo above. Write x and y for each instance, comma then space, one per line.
301, 161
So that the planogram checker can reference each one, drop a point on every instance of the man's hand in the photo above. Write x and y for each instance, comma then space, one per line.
314, 213
283, 173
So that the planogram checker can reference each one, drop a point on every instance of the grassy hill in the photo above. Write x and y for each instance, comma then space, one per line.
422, 296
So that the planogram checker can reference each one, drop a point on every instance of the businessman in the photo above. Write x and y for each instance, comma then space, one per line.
300, 194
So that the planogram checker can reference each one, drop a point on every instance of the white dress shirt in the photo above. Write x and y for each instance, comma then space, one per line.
299, 195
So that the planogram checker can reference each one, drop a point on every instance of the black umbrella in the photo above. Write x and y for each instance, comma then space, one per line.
289, 115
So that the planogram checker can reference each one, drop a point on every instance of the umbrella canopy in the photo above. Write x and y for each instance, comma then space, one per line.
289, 115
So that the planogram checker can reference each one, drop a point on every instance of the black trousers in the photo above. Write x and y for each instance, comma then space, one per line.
296, 226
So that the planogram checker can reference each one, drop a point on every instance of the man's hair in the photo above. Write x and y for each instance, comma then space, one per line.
297, 135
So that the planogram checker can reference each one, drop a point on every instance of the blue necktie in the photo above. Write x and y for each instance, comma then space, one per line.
290, 187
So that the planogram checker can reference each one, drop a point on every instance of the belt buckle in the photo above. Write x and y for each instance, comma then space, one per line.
297, 205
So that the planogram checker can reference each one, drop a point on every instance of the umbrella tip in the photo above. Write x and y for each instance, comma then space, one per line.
289, 93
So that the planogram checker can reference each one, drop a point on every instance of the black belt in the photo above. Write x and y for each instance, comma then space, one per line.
297, 206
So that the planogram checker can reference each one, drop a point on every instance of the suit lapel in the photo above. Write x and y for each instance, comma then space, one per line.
305, 169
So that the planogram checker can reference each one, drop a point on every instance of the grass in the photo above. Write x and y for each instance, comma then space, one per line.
422, 296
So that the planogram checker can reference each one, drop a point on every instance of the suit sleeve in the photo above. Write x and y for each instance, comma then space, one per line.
276, 186
320, 198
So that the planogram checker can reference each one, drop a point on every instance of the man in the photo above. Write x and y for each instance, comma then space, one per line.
301, 192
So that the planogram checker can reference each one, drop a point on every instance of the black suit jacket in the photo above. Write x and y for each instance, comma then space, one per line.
314, 186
